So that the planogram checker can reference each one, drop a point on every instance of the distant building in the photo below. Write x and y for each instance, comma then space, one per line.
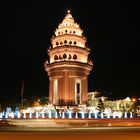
68, 65
126, 104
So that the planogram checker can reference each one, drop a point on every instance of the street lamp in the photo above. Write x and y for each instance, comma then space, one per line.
133, 99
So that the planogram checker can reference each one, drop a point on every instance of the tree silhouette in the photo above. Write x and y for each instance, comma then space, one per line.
100, 105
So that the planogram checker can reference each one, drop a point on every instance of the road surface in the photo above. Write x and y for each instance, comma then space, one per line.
79, 133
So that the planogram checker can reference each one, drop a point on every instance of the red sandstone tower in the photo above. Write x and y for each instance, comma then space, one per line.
68, 66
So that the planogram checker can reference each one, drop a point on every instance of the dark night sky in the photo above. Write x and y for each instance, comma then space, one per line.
111, 28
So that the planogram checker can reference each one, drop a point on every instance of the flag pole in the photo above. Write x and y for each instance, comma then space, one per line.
22, 90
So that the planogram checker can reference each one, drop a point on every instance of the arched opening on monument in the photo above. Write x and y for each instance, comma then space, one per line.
78, 91
55, 91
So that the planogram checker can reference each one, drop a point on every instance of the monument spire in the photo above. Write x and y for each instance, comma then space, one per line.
68, 11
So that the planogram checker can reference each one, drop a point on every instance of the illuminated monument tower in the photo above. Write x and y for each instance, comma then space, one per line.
68, 66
